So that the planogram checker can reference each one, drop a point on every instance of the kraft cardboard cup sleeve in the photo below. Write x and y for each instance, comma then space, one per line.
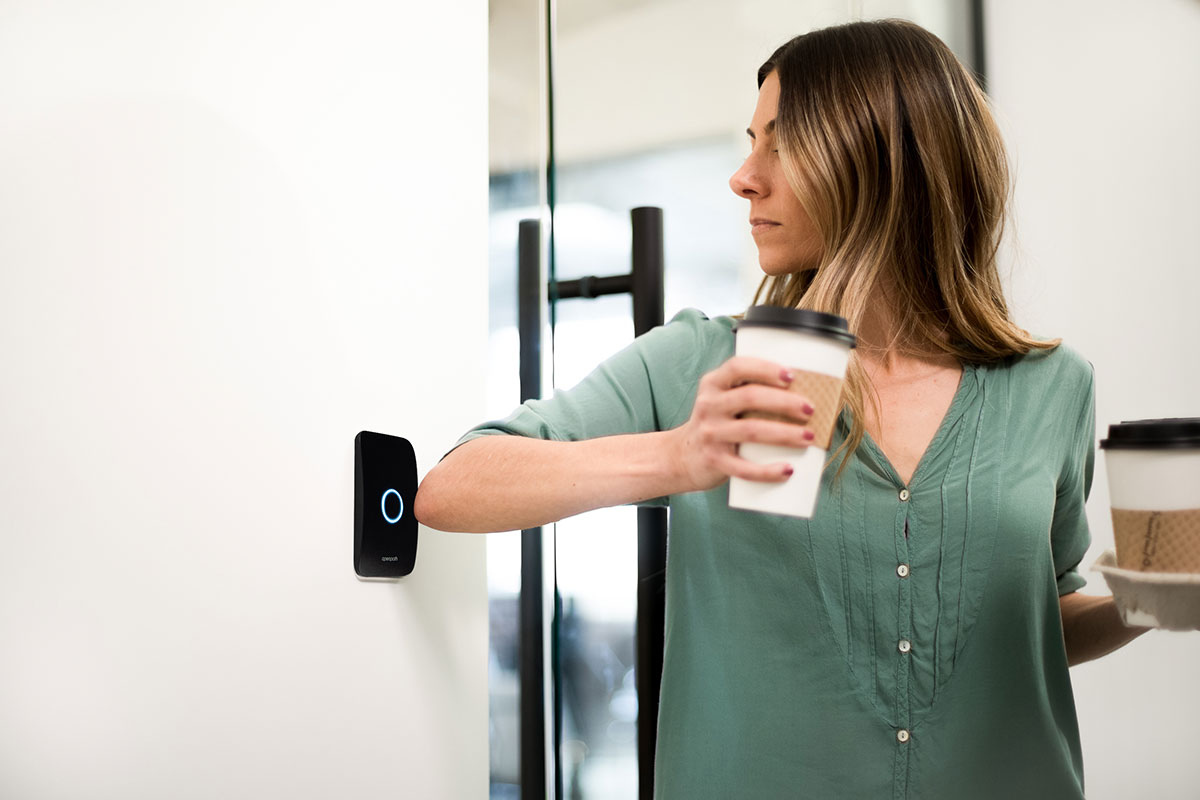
1154, 482
816, 347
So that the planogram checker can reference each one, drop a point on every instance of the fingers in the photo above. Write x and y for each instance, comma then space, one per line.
718, 424
756, 397
752, 384
740, 370
761, 431
748, 470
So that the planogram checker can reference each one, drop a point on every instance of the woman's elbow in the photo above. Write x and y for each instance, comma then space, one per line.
426, 507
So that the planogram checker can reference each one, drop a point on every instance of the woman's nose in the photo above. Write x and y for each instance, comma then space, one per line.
745, 182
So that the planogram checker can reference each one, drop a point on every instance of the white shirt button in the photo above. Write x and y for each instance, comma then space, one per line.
905, 645
904, 495
902, 736
902, 570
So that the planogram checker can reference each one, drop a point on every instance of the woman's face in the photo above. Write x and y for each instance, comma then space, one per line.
782, 230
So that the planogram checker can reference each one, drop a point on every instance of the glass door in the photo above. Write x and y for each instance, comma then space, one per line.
521, 754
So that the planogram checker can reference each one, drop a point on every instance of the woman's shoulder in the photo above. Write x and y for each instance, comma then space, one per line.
1062, 366
689, 344
696, 319
689, 328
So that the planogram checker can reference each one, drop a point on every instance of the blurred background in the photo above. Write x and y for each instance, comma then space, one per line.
645, 102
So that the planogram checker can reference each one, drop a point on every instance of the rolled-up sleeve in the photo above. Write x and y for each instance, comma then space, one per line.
1070, 536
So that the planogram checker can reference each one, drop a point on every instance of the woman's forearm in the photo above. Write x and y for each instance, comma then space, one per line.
504, 483
1092, 627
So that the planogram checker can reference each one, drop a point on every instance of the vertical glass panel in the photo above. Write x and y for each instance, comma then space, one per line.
517, 190
651, 100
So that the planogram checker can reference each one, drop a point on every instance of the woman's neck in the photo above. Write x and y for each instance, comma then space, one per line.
884, 347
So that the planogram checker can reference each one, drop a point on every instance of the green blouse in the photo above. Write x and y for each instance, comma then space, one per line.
906, 641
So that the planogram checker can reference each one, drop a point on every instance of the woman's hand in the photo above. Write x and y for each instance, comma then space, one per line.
705, 447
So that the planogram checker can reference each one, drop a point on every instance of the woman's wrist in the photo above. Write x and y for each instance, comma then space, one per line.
1092, 627
671, 450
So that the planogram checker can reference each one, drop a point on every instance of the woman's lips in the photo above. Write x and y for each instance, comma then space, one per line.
762, 225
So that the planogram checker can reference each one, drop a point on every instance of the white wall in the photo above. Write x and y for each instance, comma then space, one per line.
1100, 102
232, 235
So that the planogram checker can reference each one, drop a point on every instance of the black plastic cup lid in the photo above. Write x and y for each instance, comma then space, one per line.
1154, 434
815, 322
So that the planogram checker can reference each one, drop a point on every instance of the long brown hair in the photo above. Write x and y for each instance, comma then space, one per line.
892, 150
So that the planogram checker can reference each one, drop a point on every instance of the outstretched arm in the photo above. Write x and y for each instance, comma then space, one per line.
502, 483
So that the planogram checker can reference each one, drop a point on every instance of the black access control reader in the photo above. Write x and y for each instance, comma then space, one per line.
385, 487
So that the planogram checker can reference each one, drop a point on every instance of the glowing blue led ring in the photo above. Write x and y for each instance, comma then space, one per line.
383, 506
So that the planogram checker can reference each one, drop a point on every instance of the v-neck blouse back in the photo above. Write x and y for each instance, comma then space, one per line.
905, 641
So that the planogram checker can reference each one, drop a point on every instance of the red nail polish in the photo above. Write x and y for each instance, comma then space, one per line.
787, 375
806, 408
788, 471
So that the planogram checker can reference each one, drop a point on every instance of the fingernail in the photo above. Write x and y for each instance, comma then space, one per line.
806, 408
788, 471
809, 435
787, 375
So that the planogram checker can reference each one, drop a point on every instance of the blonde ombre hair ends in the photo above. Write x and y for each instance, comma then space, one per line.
892, 150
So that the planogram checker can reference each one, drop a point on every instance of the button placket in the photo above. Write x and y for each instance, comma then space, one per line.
903, 622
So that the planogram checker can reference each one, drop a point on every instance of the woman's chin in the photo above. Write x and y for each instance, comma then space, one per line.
780, 267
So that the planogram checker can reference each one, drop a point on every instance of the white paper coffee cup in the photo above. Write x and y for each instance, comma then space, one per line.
817, 347
1154, 485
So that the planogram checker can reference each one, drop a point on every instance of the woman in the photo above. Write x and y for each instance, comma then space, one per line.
913, 638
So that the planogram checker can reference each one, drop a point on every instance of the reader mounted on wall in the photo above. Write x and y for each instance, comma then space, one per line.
385, 486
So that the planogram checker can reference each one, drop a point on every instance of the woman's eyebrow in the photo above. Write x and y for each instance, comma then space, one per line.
768, 129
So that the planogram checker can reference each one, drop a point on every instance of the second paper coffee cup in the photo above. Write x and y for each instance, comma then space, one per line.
1154, 483
816, 347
